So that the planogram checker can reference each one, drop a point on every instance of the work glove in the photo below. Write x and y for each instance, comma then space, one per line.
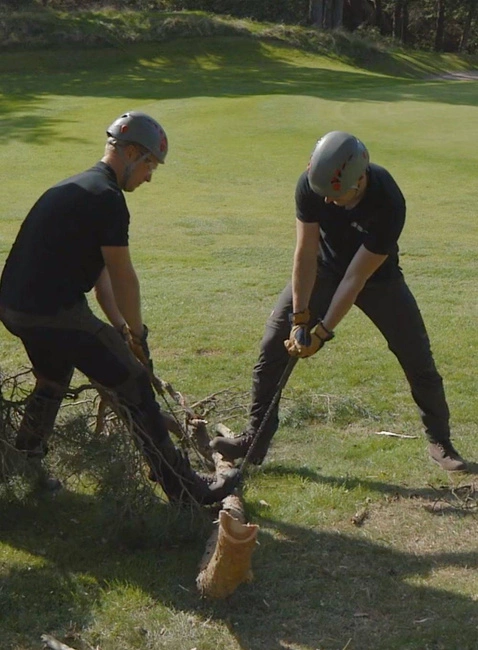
304, 342
138, 345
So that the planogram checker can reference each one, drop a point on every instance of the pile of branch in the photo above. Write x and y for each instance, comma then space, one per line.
226, 562
95, 440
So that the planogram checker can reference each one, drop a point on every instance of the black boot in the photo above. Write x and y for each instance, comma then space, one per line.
39, 418
234, 448
181, 483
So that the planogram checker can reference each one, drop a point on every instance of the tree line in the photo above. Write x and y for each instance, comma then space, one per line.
440, 25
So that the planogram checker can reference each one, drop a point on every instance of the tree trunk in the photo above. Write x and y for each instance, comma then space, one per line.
400, 20
379, 16
326, 20
337, 13
468, 23
316, 12
440, 25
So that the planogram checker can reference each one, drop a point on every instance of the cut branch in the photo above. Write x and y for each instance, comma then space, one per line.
54, 644
226, 562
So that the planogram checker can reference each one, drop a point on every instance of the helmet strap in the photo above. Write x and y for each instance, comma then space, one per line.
360, 187
129, 166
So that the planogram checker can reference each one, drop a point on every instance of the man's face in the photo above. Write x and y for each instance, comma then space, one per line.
143, 165
344, 200
351, 197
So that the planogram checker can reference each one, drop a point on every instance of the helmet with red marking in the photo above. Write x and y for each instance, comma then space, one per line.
337, 162
139, 128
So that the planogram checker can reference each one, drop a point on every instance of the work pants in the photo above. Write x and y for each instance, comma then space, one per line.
392, 308
76, 338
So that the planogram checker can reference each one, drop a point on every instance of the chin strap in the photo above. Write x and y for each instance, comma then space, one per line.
129, 166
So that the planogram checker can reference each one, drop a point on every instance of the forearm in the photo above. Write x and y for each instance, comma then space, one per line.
304, 276
106, 300
124, 286
361, 268
128, 298
343, 300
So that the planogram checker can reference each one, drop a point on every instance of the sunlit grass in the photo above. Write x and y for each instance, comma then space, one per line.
212, 239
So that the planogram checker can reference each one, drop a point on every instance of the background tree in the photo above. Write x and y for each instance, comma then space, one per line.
470, 15
400, 20
440, 25
326, 14
316, 12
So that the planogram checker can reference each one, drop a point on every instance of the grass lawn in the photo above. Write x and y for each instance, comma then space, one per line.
212, 239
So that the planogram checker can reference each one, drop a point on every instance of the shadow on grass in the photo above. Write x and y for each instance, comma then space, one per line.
188, 68
312, 589
429, 494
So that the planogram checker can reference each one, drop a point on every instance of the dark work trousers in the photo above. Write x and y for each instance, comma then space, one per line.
392, 308
76, 338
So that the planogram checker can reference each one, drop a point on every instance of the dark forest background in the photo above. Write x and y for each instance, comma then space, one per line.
439, 25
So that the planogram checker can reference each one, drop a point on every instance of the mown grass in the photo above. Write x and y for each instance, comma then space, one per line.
212, 238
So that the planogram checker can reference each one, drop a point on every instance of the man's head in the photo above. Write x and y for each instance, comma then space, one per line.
140, 144
140, 129
337, 165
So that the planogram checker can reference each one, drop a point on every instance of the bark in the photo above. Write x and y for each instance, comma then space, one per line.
468, 25
337, 13
440, 26
52, 643
326, 14
316, 12
327, 23
400, 20
226, 562
379, 18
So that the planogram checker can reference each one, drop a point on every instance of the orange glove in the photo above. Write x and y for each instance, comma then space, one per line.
138, 344
302, 341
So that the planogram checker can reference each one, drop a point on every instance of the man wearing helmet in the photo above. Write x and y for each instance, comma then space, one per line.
350, 214
74, 239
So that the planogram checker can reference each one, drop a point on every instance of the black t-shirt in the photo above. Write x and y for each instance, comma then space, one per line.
376, 222
56, 257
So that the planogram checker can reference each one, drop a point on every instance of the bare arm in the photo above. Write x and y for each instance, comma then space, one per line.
304, 270
124, 285
106, 300
363, 264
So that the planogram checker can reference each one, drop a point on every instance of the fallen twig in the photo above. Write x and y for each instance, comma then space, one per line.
394, 435
359, 517
54, 644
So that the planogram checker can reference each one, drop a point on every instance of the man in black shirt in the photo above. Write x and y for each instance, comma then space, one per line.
74, 239
350, 214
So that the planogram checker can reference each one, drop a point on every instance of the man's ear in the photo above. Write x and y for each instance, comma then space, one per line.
131, 152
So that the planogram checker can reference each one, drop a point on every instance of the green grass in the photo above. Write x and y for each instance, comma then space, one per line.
212, 238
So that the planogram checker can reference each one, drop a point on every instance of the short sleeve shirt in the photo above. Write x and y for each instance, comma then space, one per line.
56, 257
376, 223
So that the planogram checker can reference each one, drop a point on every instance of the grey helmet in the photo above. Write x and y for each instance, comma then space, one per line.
337, 162
141, 129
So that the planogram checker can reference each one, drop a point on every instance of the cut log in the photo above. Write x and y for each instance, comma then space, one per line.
226, 562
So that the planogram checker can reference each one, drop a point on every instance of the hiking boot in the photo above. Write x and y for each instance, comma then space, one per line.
234, 448
445, 455
182, 484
